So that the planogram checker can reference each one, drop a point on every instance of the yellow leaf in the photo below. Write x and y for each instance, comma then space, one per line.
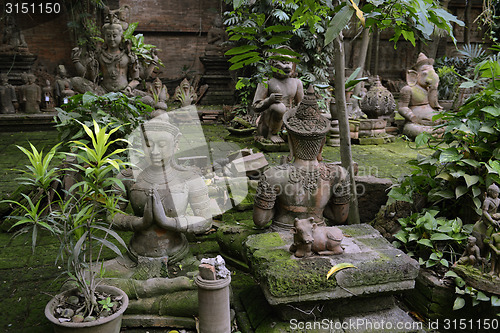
339, 267
359, 12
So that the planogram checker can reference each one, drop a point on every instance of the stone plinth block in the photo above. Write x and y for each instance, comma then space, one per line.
298, 288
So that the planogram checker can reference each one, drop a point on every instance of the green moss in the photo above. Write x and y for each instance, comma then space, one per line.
265, 241
297, 277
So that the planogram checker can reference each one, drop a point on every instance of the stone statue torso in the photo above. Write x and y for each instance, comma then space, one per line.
7, 96
287, 87
114, 69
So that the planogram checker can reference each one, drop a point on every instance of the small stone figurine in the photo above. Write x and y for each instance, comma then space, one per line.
47, 97
495, 254
309, 238
490, 220
185, 93
472, 254
8, 99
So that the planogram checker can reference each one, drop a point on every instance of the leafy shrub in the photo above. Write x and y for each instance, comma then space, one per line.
115, 109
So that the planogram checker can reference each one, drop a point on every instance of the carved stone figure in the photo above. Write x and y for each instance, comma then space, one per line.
378, 101
418, 101
490, 220
62, 83
215, 37
86, 63
472, 254
185, 93
118, 64
495, 254
13, 39
309, 238
8, 99
281, 93
31, 95
160, 196
305, 187
47, 97
159, 93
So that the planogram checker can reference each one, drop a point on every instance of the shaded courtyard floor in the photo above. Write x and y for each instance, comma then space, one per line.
27, 280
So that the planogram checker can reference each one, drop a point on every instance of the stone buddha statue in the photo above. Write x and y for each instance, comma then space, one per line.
13, 39
282, 92
8, 99
306, 187
161, 196
418, 101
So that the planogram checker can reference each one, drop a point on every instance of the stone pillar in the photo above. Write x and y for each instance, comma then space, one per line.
213, 301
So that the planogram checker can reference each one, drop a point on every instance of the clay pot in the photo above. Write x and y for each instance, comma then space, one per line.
110, 324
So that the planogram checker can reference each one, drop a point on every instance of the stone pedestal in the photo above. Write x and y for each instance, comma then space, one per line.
333, 138
372, 132
220, 84
298, 288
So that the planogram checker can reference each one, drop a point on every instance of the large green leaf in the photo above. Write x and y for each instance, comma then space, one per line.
471, 179
450, 154
338, 23
459, 303
440, 237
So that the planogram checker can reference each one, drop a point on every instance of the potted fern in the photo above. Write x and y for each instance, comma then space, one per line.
77, 215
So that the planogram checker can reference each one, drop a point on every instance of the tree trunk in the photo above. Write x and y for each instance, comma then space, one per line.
363, 50
468, 22
377, 50
345, 139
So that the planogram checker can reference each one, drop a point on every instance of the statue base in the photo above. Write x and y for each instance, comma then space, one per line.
272, 147
298, 288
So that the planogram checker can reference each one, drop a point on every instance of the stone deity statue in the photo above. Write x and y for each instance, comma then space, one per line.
185, 93
160, 196
31, 95
62, 83
215, 38
8, 99
282, 92
495, 254
472, 254
305, 188
159, 93
117, 63
418, 101
13, 39
490, 220
47, 97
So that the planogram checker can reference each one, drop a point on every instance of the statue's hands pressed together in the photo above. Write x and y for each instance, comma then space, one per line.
148, 218
160, 218
75, 54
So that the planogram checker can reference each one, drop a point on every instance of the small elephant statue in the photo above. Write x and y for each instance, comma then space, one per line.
310, 238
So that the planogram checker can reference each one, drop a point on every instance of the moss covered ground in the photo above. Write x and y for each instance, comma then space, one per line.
27, 280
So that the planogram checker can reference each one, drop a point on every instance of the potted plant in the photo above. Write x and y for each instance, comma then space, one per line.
78, 216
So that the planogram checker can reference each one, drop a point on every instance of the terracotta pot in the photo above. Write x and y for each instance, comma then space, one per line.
111, 324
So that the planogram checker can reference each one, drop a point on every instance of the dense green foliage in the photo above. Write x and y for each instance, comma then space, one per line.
115, 110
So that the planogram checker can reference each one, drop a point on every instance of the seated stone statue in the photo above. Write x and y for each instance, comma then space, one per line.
472, 254
62, 83
305, 188
13, 39
281, 93
490, 220
8, 99
215, 37
418, 101
47, 97
160, 196
117, 63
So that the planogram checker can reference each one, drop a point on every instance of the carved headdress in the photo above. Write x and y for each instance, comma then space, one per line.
307, 127
423, 60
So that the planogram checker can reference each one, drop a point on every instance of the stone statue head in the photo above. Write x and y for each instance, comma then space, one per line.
62, 72
113, 33
423, 73
4, 78
160, 140
493, 191
287, 68
307, 128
